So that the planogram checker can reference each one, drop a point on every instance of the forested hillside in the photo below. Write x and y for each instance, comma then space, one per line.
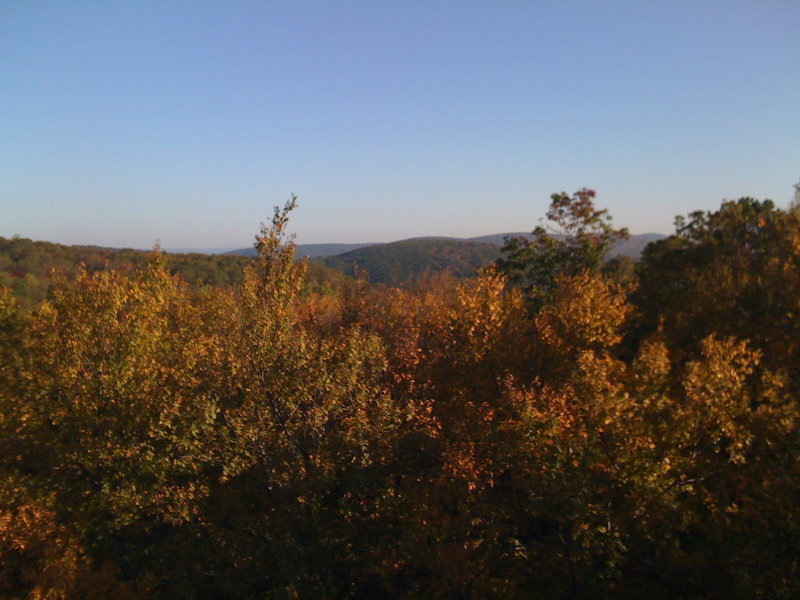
400, 262
397, 252
25, 266
557, 427
310, 250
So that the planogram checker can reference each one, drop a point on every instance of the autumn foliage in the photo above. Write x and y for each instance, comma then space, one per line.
546, 429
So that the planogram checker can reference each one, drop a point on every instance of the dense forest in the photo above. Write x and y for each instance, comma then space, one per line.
26, 267
557, 426
399, 262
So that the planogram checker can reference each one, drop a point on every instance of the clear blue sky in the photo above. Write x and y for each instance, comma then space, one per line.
126, 122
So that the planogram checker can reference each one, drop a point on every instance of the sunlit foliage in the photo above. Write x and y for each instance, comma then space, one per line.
583, 435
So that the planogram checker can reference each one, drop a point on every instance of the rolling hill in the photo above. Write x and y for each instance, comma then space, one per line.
311, 250
25, 266
399, 261
405, 259
631, 247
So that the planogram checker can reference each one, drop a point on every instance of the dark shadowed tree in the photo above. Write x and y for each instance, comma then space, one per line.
576, 238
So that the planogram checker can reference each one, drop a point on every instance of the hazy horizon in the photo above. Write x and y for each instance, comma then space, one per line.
123, 124
224, 249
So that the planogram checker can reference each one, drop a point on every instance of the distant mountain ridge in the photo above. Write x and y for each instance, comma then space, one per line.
397, 262
405, 260
631, 247
312, 250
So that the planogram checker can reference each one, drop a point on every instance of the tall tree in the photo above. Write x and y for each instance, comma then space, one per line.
731, 272
576, 238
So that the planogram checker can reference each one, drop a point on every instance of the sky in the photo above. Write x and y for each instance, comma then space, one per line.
124, 123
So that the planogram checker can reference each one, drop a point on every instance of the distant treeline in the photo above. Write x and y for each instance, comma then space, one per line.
26, 266
399, 262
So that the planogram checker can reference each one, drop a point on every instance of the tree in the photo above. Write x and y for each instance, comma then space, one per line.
731, 272
577, 239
